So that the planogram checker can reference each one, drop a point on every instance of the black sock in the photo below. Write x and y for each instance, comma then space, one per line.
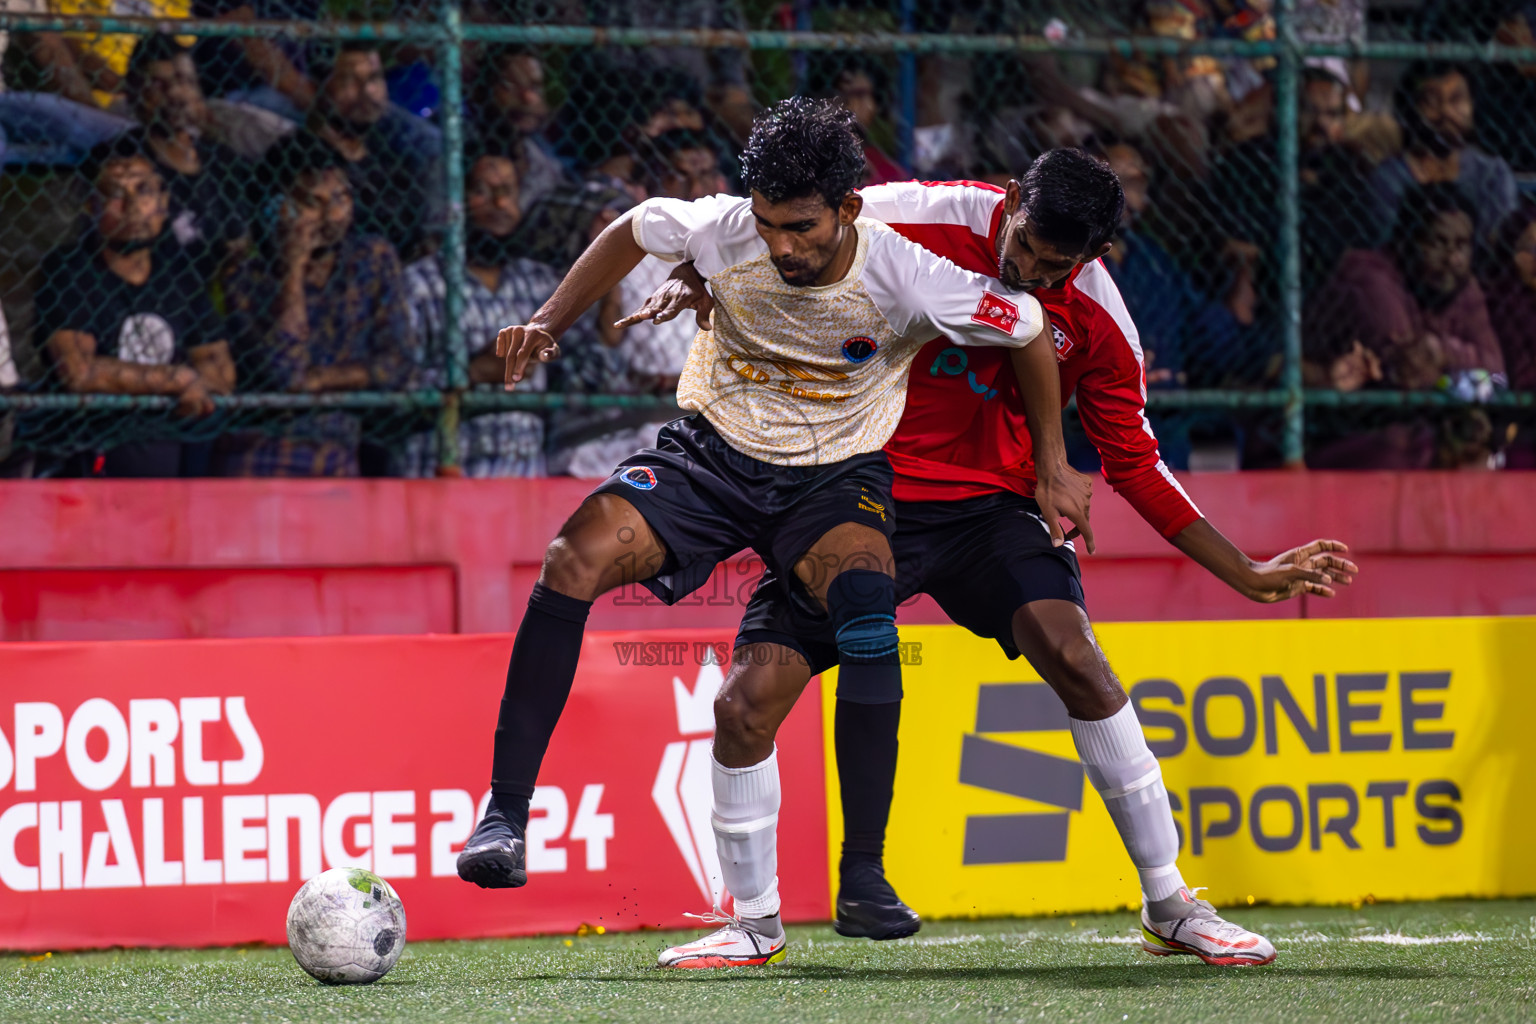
866, 741
539, 679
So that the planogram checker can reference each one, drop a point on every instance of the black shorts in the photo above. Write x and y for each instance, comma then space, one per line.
707, 501
980, 558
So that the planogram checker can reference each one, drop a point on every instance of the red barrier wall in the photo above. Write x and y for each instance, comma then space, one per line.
138, 559
176, 793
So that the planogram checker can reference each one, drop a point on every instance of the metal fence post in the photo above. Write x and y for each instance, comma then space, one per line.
906, 62
456, 351
1287, 90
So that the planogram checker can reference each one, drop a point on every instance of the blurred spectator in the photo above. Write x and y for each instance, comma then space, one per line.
500, 288
855, 87
650, 357
321, 309
1512, 295
511, 112
123, 310
48, 114
1505, 93
1433, 104
206, 181
1186, 336
1245, 182
270, 73
88, 67
1415, 304
392, 184
722, 71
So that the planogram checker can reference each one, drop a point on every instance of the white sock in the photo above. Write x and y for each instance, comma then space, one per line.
746, 819
1126, 774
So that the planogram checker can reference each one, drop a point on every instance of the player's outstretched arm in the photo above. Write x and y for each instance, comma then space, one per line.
1315, 568
1060, 491
606, 262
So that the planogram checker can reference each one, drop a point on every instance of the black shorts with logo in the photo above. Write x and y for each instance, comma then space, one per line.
980, 558
707, 501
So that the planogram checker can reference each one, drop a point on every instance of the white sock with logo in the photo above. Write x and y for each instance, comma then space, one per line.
1126, 774
746, 819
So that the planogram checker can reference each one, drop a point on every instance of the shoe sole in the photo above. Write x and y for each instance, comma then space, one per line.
492, 869
715, 961
1159, 946
860, 930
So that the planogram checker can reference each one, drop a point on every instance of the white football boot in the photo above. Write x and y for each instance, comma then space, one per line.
1184, 924
753, 942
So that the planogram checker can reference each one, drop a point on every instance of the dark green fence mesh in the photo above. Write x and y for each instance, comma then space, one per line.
277, 236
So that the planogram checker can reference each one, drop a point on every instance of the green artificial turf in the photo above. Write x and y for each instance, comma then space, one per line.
1439, 961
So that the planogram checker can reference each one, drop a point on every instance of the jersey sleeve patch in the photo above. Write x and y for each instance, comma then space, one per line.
997, 312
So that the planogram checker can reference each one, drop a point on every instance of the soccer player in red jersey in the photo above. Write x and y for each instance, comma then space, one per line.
969, 535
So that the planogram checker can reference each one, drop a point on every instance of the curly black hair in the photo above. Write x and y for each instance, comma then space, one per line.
1072, 199
802, 147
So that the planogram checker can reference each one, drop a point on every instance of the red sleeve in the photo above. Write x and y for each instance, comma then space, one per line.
1112, 401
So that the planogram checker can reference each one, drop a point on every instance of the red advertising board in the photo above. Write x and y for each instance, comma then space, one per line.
177, 793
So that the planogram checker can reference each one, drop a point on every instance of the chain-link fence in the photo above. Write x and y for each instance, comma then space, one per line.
276, 237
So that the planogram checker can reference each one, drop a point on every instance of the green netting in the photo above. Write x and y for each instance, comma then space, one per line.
321, 211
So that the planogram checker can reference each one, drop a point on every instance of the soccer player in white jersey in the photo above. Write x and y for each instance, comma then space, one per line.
791, 397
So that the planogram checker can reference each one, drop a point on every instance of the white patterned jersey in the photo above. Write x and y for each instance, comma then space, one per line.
802, 376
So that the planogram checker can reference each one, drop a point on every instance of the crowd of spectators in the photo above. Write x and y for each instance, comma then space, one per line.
264, 215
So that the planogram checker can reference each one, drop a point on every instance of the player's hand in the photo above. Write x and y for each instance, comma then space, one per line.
1313, 569
1064, 493
519, 344
685, 289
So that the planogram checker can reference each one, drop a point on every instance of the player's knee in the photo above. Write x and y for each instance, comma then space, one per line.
744, 732
1083, 679
862, 604
573, 569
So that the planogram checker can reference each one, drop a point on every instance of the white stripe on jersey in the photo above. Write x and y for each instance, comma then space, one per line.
912, 202
1095, 283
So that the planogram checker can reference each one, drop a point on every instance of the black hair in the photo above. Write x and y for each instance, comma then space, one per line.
670, 143
801, 147
1073, 200
300, 154
322, 59
151, 49
490, 70
1422, 205
1405, 97
478, 148
131, 145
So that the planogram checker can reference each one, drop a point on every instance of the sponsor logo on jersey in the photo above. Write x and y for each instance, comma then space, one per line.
1063, 343
793, 372
856, 350
639, 477
996, 311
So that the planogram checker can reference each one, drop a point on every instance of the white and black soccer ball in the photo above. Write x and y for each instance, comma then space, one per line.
346, 926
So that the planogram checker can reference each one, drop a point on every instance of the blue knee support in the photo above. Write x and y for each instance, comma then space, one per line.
862, 603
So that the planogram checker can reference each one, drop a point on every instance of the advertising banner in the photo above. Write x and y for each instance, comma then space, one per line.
176, 793
1307, 762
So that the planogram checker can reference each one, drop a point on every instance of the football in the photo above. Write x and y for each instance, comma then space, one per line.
346, 926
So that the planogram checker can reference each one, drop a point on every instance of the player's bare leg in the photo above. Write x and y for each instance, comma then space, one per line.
604, 545
1058, 640
847, 571
763, 685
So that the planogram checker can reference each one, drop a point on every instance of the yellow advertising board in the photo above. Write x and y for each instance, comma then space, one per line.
1324, 761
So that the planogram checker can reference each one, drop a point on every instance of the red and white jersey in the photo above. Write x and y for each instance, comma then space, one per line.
963, 432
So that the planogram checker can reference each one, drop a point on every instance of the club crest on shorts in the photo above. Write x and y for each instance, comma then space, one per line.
639, 477
856, 350
996, 311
